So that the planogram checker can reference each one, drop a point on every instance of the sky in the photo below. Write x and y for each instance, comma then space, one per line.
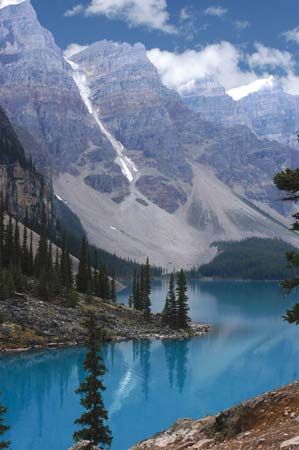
236, 41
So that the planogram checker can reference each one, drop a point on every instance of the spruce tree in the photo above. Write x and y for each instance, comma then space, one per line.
113, 289
2, 230
82, 279
8, 244
41, 261
169, 315
93, 421
31, 257
182, 301
146, 294
288, 181
17, 246
3, 428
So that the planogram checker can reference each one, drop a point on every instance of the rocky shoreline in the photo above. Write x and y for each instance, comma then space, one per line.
27, 323
270, 421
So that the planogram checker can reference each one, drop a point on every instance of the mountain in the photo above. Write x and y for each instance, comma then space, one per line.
39, 95
145, 174
263, 106
23, 190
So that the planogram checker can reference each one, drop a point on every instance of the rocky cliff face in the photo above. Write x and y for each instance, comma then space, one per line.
136, 108
269, 112
39, 94
266, 422
23, 190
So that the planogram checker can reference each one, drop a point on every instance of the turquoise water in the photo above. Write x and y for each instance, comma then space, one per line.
151, 384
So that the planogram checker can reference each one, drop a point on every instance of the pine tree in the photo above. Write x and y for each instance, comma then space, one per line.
17, 246
182, 301
2, 230
288, 181
41, 263
31, 257
82, 279
8, 244
131, 301
3, 428
92, 422
169, 315
113, 289
146, 293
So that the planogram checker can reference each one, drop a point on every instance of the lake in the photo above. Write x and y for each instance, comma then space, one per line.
150, 384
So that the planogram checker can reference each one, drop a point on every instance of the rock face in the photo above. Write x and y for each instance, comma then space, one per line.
131, 101
267, 422
39, 94
129, 157
23, 190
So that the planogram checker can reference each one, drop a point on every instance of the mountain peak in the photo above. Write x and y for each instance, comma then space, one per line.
207, 86
256, 86
5, 3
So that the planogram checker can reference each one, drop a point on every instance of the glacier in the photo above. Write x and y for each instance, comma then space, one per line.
127, 166
5, 3
243, 91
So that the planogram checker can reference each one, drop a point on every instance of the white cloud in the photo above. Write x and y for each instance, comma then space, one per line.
73, 49
267, 57
184, 14
241, 24
220, 60
150, 13
217, 11
292, 35
73, 11
227, 64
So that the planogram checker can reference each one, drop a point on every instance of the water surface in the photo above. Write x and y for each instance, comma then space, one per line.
150, 384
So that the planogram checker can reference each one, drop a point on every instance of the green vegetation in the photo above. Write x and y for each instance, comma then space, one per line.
175, 312
140, 298
249, 259
288, 181
92, 422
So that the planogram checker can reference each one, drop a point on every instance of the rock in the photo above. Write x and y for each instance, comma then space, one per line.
84, 445
202, 443
290, 444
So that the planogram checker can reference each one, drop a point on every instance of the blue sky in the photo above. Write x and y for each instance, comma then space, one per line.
246, 39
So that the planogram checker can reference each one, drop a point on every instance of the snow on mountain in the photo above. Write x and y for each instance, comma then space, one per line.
127, 166
5, 3
243, 91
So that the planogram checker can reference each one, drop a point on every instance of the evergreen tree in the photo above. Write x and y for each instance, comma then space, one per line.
92, 422
25, 253
169, 315
31, 257
146, 292
42, 263
3, 428
113, 289
2, 230
17, 246
82, 279
288, 181
8, 244
182, 301
131, 301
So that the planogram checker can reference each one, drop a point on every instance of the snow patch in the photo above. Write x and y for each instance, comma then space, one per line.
4, 3
61, 199
127, 166
255, 86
